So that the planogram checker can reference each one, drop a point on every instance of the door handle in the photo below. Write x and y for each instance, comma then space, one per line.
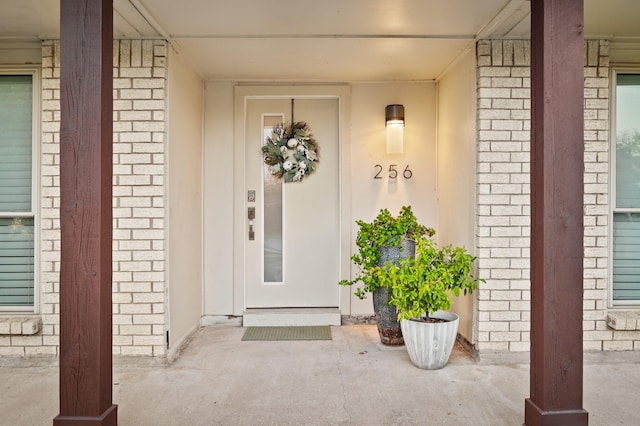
251, 215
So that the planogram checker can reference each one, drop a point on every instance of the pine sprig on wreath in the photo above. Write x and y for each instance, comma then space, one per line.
291, 152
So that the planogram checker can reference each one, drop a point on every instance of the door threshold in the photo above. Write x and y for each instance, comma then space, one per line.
289, 317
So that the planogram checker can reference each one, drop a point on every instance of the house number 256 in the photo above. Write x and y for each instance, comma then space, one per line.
393, 172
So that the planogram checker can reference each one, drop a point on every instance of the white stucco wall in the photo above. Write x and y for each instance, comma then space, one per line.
184, 163
456, 169
368, 148
218, 198
20, 52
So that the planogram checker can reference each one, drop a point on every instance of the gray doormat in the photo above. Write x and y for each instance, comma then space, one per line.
316, 332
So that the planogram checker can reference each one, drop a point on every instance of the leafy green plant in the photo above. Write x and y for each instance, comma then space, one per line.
424, 285
385, 230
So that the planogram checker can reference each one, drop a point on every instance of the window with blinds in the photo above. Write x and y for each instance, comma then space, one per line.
626, 202
16, 211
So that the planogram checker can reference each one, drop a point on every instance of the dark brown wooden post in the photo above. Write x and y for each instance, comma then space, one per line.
86, 105
557, 80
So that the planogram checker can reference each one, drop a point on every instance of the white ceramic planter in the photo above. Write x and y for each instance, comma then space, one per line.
430, 344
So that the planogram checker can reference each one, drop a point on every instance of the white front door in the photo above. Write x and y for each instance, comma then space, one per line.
292, 253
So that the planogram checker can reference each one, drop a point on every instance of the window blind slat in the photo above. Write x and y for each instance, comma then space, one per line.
16, 276
626, 282
11, 291
626, 295
15, 153
14, 301
14, 182
6, 254
625, 247
19, 175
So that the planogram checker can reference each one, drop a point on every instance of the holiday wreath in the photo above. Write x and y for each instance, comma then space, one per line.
291, 152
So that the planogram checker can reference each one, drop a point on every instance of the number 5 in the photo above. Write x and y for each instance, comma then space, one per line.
393, 173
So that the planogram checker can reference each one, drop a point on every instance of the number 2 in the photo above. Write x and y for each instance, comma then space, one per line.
377, 176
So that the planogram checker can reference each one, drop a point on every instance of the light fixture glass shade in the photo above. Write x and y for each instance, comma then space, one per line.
394, 120
395, 137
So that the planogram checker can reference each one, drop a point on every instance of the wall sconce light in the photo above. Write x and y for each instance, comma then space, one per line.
394, 120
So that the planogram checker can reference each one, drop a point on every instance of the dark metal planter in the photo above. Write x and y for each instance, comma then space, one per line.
386, 318
386, 315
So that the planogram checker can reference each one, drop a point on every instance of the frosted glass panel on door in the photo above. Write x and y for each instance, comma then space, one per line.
272, 203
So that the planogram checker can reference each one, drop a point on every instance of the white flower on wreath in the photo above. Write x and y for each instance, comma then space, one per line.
287, 165
283, 149
291, 143
301, 148
302, 165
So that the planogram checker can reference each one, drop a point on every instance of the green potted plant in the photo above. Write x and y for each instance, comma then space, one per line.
385, 240
421, 289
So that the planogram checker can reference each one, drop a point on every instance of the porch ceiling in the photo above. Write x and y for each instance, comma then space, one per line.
309, 40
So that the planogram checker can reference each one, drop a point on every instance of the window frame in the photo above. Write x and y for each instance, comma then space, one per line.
613, 209
35, 73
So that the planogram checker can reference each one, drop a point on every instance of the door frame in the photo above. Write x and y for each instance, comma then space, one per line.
242, 93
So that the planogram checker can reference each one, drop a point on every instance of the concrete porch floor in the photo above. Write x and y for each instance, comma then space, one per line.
350, 380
